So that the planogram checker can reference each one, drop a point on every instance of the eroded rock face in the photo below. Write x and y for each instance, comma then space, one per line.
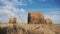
48, 21
36, 18
12, 20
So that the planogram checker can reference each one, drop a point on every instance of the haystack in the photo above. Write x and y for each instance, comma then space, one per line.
12, 20
35, 18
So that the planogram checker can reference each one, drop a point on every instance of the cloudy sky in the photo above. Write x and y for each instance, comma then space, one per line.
20, 9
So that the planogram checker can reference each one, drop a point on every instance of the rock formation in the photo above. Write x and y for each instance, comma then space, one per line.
36, 18
12, 20
48, 21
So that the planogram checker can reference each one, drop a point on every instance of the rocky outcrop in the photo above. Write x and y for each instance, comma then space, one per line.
36, 18
48, 21
12, 20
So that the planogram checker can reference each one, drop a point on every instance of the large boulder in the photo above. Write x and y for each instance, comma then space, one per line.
36, 18
48, 21
12, 20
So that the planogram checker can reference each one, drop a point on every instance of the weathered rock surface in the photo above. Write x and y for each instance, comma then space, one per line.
12, 20
48, 21
29, 29
36, 18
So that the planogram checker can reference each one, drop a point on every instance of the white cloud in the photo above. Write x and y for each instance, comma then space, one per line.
10, 10
21, 3
16, 2
51, 9
22, 10
55, 12
54, 18
43, 0
22, 19
7, 12
30, 1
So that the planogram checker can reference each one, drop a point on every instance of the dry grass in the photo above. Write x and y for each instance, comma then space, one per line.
30, 28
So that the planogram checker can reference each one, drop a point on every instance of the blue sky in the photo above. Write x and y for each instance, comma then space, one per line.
20, 8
